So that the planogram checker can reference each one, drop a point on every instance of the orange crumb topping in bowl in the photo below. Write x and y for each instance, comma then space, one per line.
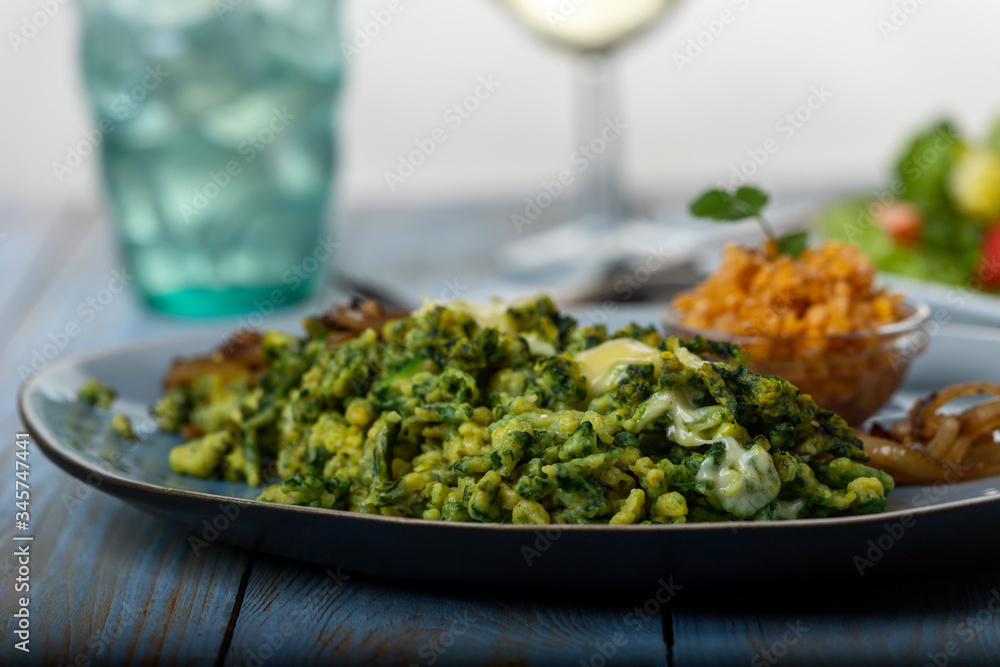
827, 290
817, 320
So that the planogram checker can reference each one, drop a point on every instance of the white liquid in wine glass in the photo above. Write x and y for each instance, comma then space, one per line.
587, 25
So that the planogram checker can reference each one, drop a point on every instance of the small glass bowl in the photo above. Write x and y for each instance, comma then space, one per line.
852, 374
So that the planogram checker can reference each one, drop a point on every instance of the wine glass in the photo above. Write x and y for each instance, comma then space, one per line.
593, 29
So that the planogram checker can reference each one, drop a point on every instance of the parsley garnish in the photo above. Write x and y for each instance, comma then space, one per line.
746, 202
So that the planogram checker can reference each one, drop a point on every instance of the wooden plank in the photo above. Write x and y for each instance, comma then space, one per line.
109, 584
953, 621
25, 238
32, 248
299, 614
117, 586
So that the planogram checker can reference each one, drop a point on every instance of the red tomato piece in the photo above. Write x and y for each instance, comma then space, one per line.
902, 221
989, 261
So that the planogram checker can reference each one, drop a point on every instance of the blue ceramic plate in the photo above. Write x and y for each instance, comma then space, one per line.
922, 527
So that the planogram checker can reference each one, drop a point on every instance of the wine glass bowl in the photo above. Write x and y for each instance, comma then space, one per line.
588, 25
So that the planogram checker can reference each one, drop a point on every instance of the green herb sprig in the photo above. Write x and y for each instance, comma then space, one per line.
740, 204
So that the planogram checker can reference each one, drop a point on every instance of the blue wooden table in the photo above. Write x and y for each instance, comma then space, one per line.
110, 585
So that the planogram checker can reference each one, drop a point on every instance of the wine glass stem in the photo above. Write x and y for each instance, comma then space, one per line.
598, 142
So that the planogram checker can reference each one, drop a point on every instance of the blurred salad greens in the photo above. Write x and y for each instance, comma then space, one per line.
939, 217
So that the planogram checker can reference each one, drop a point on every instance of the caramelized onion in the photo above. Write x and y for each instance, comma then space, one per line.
933, 445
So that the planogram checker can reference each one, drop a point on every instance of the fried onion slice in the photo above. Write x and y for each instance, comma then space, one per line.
925, 411
934, 445
239, 354
907, 465
940, 445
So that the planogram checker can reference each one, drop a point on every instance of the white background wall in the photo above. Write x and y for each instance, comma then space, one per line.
687, 127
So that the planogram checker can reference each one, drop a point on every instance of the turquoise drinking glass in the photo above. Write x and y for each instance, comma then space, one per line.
214, 123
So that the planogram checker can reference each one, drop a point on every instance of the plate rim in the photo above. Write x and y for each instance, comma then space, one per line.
926, 288
78, 467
